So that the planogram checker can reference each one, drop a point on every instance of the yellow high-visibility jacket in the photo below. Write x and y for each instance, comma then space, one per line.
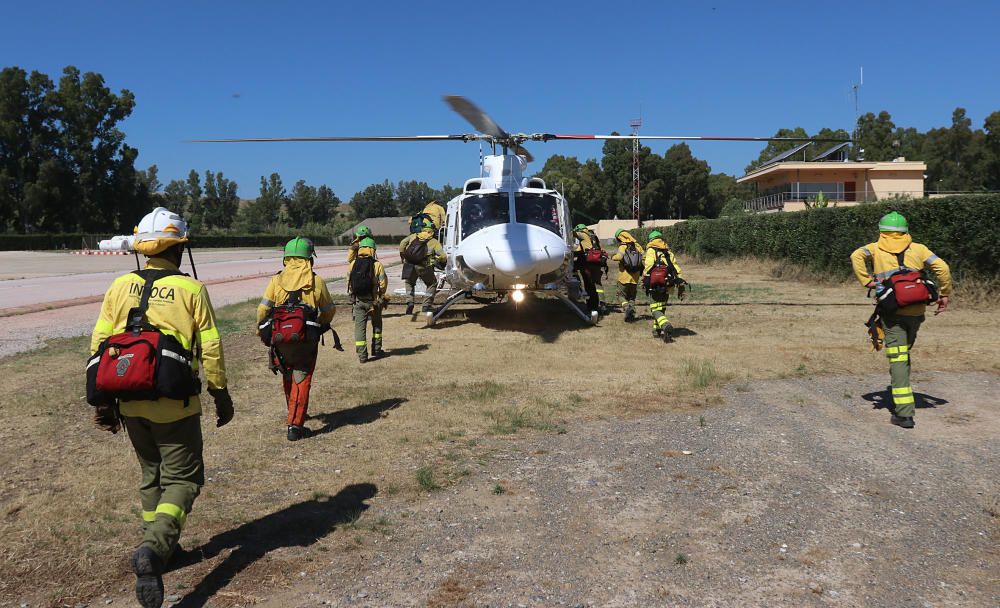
381, 280
297, 276
435, 253
352, 251
657, 249
437, 214
585, 239
625, 277
876, 261
178, 306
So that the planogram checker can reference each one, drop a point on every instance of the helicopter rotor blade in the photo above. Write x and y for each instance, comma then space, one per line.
552, 136
522, 151
476, 117
467, 137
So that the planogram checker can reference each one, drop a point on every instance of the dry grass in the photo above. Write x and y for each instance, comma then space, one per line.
69, 513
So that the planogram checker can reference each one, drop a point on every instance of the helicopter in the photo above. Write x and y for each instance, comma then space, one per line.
505, 234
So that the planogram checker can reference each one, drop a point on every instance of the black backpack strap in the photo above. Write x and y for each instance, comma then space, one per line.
900, 256
137, 316
294, 297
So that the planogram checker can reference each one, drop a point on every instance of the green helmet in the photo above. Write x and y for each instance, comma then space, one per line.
579, 227
429, 223
893, 222
367, 242
299, 247
619, 232
656, 234
362, 231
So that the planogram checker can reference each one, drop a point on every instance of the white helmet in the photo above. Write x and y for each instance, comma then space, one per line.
158, 230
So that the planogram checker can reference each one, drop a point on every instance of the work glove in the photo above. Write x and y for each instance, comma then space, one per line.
942, 305
680, 291
106, 418
223, 405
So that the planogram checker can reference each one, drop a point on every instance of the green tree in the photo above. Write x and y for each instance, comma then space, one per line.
687, 183
412, 196
991, 143
221, 201
876, 135
193, 206
375, 201
325, 205
300, 204
265, 211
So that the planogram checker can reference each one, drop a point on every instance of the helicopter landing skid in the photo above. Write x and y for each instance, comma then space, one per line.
592, 320
455, 297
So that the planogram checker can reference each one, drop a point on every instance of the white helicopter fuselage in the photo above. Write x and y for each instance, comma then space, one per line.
507, 233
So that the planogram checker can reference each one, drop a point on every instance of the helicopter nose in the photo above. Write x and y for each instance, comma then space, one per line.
515, 250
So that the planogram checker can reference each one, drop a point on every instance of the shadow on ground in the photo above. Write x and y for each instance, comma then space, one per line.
547, 318
883, 399
404, 351
361, 414
298, 525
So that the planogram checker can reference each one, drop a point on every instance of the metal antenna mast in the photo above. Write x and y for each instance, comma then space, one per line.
635, 123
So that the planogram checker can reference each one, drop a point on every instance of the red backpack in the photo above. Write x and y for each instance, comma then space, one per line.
291, 323
905, 287
141, 363
662, 275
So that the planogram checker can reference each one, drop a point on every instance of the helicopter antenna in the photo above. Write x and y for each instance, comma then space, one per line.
480, 158
856, 91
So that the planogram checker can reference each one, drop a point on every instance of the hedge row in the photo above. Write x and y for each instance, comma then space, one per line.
963, 230
37, 242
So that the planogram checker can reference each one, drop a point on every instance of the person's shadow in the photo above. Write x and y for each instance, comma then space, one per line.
883, 399
361, 414
298, 525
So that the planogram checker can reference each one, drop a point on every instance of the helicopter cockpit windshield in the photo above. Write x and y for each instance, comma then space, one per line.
538, 210
483, 210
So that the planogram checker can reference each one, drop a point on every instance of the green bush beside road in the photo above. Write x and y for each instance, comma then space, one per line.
963, 230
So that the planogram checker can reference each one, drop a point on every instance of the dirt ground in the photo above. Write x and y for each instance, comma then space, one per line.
517, 457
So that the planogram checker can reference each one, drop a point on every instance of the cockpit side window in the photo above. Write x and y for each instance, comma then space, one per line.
538, 210
483, 210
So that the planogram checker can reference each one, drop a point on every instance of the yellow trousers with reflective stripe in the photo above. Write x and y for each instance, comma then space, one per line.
658, 308
170, 455
900, 334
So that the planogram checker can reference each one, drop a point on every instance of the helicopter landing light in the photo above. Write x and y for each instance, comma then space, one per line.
519, 286
517, 295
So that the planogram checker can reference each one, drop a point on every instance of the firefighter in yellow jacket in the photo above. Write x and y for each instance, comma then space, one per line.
297, 360
875, 262
437, 214
360, 232
628, 276
586, 239
366, 284
165, 433
420, 253
658, 254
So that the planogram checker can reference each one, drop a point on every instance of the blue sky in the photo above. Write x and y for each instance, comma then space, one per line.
242, 69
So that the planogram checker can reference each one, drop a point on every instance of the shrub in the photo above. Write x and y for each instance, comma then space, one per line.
963, 230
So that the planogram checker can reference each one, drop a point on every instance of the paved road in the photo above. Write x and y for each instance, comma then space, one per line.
74, 297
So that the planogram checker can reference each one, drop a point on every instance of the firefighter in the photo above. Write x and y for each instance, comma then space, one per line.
420, 253
360, 232
436, 213
165, 433
366, 284
658, 254
875, 262
590, 271
297, 360
628, 274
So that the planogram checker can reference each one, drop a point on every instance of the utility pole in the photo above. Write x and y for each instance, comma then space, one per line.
635, 123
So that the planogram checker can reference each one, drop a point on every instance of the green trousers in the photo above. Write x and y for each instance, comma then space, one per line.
172, 475
626, 294
900, 334
365, 310
658, 307
425, 274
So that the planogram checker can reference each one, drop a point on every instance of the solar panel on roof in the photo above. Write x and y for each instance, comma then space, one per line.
786, 154
829, 152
